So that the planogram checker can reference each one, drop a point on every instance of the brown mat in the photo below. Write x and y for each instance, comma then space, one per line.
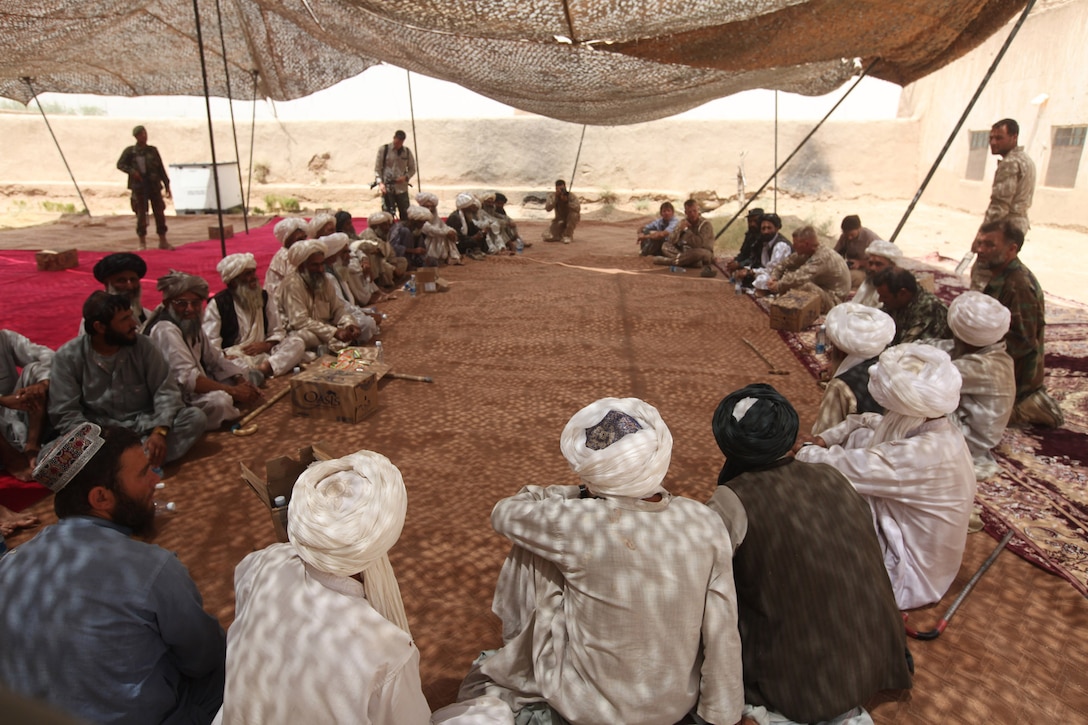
516, 347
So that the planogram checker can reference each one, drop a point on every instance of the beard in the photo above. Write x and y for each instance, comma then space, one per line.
250, 299
313, 280
133, 297
134, 514
190, 329
767, 237
116, 339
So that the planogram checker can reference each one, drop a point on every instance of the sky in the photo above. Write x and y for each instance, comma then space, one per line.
431, 98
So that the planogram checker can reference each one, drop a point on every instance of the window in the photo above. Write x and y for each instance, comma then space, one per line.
1065, 153
976, 156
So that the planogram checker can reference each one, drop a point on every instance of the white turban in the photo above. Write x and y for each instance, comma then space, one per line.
426, 198
233, 265
916, 380
378, 217
301, 251
465, 200
487, 196
978, 319
627, 456
859, 331
317, 222
343, 518
419, 214
286, 227
888, 250
334, 243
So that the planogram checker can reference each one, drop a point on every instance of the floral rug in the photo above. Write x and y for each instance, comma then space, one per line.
1042, 489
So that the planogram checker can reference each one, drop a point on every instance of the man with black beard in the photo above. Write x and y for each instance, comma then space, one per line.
207, 379
109, 629
115, 376
771, 251
310, 307
750, 247
120, 274
240, 321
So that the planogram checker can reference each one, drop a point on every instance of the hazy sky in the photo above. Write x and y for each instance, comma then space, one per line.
381, 93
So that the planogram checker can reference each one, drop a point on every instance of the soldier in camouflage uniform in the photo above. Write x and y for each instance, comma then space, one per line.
918, 314
146, 180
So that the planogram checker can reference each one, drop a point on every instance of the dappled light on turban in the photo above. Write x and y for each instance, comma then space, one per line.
379, 217
426, 198
888, 250
334, 243
175, 283
301, 251
317, 223
286, 227
233, 265
916, 380
978, 319
859, 331
754, 427
465, 200
419, 214
343, 518
626, 455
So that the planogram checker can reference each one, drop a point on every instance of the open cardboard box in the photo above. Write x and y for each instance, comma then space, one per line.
280, 476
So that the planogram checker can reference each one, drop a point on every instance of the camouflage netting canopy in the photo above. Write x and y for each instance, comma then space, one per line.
587, 61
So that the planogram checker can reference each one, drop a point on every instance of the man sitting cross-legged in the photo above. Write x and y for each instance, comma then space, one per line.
857, 335
115, 376
806, 553
109, 629
813, 267
288, 231
242, 321
691, 242
207, 379
337, 266
912, 466
24, 387
342, 652
120, 274
617, 599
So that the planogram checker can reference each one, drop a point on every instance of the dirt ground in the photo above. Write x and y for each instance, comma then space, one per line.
515, 347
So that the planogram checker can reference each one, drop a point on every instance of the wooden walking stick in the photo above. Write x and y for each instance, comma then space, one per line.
773, 368
241, 429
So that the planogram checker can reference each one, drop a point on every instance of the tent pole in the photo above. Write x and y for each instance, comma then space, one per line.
963, 119
793, 153
211, 134
775, 150
252, 134
34, 95
230, 104
577, 156
415, 141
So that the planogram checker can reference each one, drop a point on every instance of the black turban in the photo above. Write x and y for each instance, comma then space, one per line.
765, 432
111, 264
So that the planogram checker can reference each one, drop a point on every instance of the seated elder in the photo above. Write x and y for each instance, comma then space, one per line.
813, 267
806, 553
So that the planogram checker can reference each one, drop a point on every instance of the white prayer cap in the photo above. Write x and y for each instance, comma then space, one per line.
301, 251
334, 243
61, 459
378, 217
343, 518
888, 250
419, 214
318, 222
286, 227
233, 265
978, 319
618, 447
465, 200
916, 380
859, 330
426, 198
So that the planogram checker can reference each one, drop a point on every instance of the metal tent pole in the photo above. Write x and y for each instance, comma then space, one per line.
415, 141
211, 134
252, 135
570, 186
45, 118
230, 104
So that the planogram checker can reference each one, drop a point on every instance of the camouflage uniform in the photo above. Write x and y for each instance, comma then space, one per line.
925, 317
1014, 186
147, 161
823, 272
688, 247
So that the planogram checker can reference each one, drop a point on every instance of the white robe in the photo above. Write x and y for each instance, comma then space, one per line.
921, 489
287, 350
22, 363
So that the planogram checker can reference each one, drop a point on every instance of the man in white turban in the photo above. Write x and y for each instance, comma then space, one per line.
385, 264
979, 324
617, 599
322, 225
471, 234
207, 378
879, 255
857, 335
440, 238
337, 266
241, 321
320, 634
287, 231
913, 467
310, 307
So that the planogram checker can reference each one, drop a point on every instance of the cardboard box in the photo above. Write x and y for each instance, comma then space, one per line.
228, 231
794, 311
50, 261
341, 395
427, 280
281, 474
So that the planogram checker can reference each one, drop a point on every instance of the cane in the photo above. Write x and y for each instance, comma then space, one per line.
240, 428
943, 623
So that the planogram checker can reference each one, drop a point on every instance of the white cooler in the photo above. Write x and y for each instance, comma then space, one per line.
193, 187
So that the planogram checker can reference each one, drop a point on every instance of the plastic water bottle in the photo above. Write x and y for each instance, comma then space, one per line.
677, 270
738, 285
520, 246
279, 502
410, 285
821, 340
380, 351
165, 508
